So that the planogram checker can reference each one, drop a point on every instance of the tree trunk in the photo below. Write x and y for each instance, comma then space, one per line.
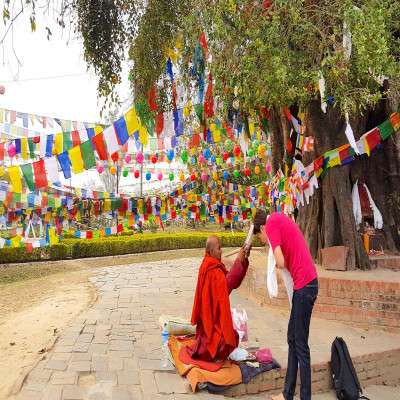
328, 219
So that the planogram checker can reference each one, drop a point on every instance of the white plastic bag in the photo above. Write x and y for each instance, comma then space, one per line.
239, 319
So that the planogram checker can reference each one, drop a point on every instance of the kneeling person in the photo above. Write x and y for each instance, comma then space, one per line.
215, 336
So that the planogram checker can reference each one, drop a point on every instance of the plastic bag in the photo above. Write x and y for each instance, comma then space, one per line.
239, 354
239, 319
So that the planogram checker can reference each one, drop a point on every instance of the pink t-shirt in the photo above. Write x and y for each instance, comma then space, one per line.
282, 231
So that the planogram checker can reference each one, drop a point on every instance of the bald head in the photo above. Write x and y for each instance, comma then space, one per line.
213, 247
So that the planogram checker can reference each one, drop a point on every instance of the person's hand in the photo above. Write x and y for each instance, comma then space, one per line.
242, 254
247, 251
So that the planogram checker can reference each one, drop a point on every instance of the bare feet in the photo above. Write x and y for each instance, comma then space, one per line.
278, 397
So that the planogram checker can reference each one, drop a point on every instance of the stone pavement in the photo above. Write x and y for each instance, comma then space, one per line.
112, 351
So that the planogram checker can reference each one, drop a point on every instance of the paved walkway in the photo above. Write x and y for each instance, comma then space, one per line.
112, 352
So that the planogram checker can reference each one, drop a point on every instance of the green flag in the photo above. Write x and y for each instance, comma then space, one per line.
88, 155
386, 129
28, 175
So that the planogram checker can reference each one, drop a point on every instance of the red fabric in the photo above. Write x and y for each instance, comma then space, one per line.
100, 147
283, 232
89, 235
209, 99
159, 126
373, 139
1, 151
186, 358
212, 313
76, 140
40, 174
203, 43
151, 99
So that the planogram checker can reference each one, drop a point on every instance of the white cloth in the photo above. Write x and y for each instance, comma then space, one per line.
272, 280
350, 135
111, 140
355, 196
321, 85
378, 220
239, 354
51, 168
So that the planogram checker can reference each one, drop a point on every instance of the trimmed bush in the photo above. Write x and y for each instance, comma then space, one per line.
19, 254
117, 245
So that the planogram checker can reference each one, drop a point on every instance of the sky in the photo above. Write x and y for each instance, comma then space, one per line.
53, 79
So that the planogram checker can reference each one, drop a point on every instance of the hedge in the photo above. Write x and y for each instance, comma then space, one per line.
117, 245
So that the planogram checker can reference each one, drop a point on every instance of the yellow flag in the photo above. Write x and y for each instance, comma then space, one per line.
76, 159
24, 148
132, 121
143, 136
58, 143
97, 130
217, 136
15, 179
16, 241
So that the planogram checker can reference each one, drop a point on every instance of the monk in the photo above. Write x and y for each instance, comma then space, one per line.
215, 336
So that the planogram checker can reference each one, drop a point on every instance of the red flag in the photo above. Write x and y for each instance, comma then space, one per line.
209, 99
151, 98
100, 147
76, 140
373, 139
174, 95
40, 174
159, 126
1, 151
203, 43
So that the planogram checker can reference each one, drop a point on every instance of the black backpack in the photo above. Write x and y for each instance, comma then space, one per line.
345, 380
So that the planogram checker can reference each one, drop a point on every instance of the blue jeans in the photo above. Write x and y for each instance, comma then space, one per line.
297, 336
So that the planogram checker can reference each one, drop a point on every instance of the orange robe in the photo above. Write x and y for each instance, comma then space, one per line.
215, 336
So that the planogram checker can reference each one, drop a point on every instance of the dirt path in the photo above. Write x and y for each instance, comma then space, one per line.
37, 302
32, 314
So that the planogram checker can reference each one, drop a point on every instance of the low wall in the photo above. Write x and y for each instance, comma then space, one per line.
358, 302
372, 369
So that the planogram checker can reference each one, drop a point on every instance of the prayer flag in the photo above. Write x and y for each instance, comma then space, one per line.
346, 154
121, 130
2, 151
76, 160
15, 179
159, 124
67, 144
17, 146
58, 145
28, 175
40, 174
111, 140
99, 146
49, 145
209, 99
308, 144
76, 140
65, 164
31, 147
371, 140
88, 155
132, 121
395, 120
386, 129
143, 135
90, 132
51, 170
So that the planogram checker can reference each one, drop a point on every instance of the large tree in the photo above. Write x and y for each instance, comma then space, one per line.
272, 54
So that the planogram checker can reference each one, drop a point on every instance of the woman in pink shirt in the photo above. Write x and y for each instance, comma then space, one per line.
291, 252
